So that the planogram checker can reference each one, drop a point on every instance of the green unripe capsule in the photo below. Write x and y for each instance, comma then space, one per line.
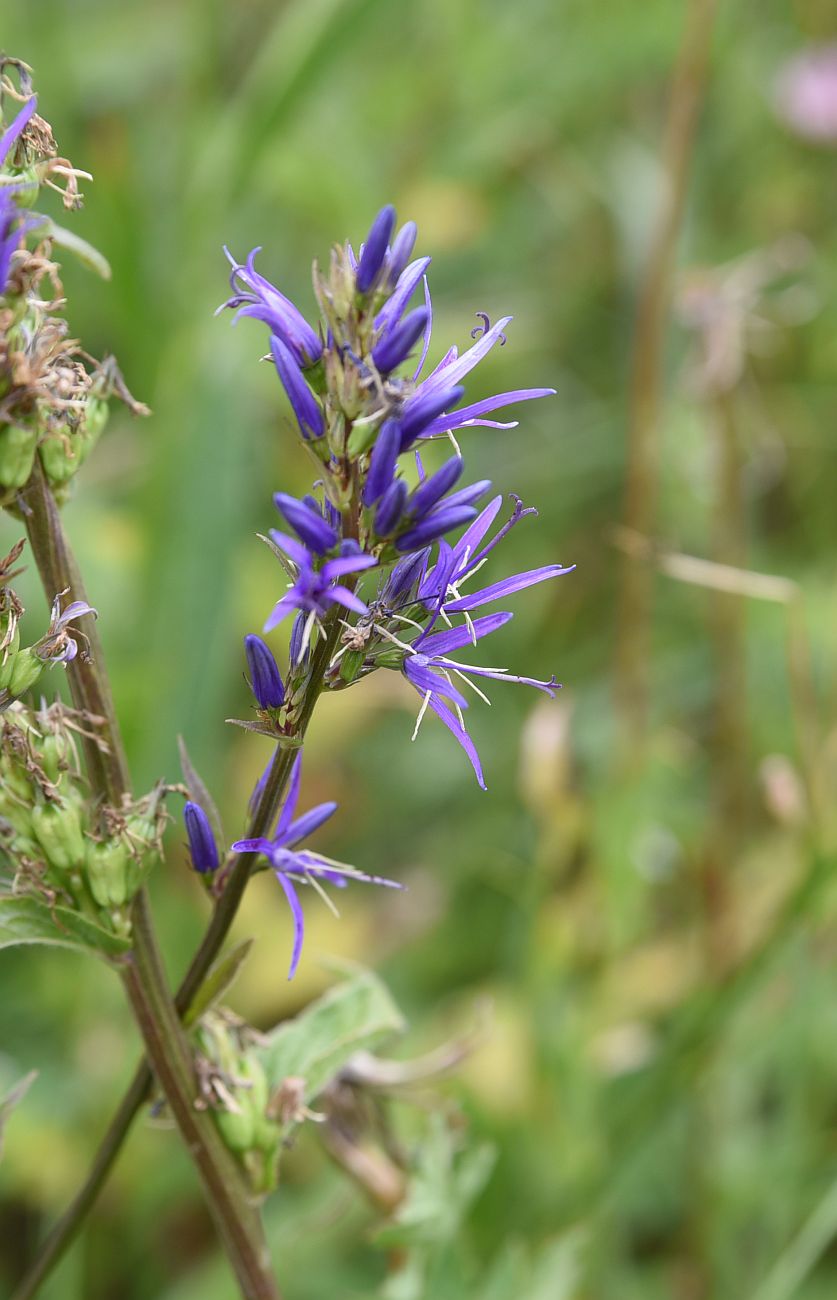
17, 454
108, 869
59, 833
25, 671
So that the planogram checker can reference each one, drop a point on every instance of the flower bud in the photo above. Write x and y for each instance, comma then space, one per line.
401, 251
305, 406
432, 489
307, 522
265, 678
435, 525
390, 508
394, 348
202, 846
375, 248
382, 462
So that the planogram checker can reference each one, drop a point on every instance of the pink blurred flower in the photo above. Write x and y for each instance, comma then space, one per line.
806, 93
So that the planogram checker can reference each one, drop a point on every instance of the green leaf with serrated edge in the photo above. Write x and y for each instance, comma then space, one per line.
25, 919
13, 1097
199, 794
86, 253
355, 1015
222, 974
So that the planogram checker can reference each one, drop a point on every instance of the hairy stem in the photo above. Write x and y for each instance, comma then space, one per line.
223, 915
166, 1044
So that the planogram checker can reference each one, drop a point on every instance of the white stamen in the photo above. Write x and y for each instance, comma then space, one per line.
421, 714
473, 686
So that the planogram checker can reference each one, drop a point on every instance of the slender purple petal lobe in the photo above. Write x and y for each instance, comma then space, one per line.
265, 678
305, 406
434, 525
15, 128
202, 846
262, 301
425, 497
375, 249
506, 587
390, 508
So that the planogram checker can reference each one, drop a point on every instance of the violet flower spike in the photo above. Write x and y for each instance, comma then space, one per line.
265, 678
293, 866
202, 847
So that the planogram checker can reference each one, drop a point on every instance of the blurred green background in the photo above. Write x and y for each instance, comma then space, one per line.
643, 921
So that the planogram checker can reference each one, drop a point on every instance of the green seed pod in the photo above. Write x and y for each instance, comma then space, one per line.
17, 454
59, 457
108, 867
54, 752
236, 1130
95, 418
59, 833
351, 664
26, 669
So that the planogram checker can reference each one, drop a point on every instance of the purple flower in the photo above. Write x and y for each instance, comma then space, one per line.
202, 847
316, 590
408, 282
265, 678
375, 249
442, 584
429, 668
424, 407
306, 408
56, 645
263, 301
451, 370
293, 866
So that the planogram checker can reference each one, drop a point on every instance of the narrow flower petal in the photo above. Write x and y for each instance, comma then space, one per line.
458, 369
425, 497
408, 281
420, 675
305, 406
452, 723
299, 921
257, 845
307, 824
467, 414
394, 348
342, 596
453, 638
347, 564
286, 816
499, 590
15, 128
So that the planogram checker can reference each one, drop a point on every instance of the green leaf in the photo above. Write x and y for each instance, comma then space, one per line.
221, 975
24, 919
442, 1188
86, 253
13, 1097
356, 1015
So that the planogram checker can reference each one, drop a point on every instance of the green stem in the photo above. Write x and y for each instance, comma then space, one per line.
64, 1231
166, 1044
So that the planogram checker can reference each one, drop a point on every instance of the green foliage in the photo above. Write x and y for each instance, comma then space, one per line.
356, 1015
24, 919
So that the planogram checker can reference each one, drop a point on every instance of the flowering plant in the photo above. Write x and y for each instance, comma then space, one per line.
380, 567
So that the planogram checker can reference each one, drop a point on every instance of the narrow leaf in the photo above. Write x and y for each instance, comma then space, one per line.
73, 243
